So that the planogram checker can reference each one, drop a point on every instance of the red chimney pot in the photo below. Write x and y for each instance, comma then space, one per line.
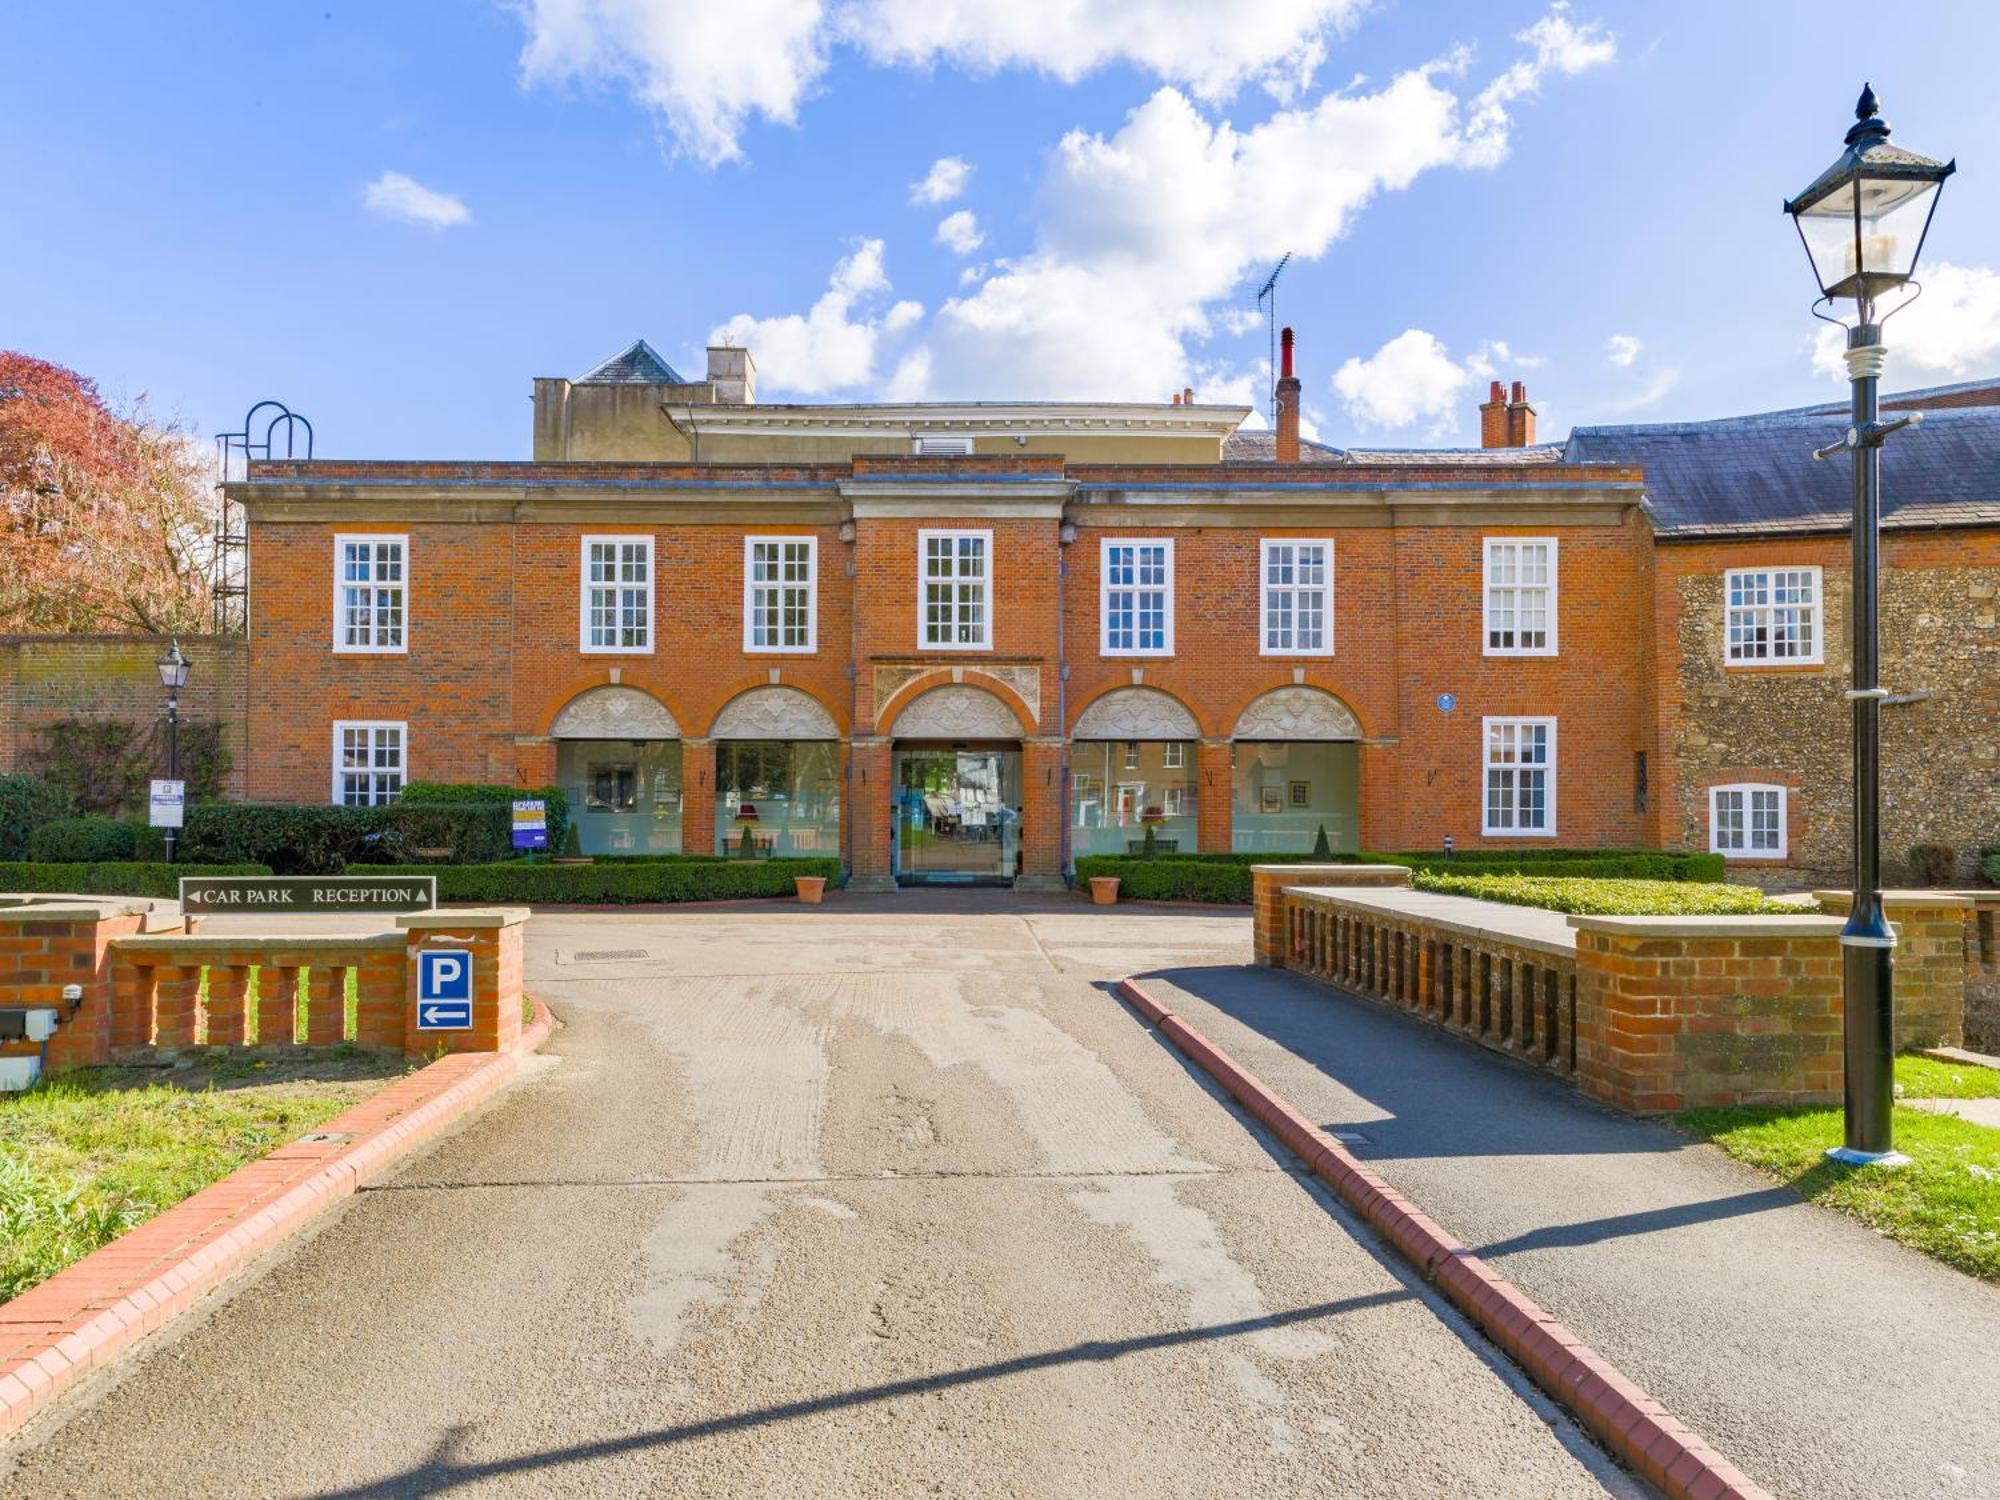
1285, 358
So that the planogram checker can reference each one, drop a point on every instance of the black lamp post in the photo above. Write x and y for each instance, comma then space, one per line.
173, 677
1863, 222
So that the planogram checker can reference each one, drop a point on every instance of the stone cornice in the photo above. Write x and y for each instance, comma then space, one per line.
998, 418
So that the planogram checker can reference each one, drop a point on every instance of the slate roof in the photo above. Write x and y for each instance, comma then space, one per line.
635, 364
1744, 475
1261, 447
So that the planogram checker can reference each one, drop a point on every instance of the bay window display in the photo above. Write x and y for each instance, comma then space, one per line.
624, 795
1119, 789
1285, 791
783, 794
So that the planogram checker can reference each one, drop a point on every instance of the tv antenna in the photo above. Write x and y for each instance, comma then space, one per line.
1267, 302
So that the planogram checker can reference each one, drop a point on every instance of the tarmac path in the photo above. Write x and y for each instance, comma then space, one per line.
878, 1199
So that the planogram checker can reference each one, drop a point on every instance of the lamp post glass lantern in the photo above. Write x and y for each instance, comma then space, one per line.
1863, 222
173, 677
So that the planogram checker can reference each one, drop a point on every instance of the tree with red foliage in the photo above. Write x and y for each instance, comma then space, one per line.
106, 518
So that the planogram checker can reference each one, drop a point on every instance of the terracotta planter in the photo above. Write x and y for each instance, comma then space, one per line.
1104, 890
810, 888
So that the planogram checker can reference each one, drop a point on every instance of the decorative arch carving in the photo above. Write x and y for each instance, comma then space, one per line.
1137, 713
615, 713
956, 712
1297, 713
774, 713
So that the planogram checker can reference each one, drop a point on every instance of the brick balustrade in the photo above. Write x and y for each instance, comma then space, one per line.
147, 984
1648, 1013
1501, 984
1267, 896
157, 1000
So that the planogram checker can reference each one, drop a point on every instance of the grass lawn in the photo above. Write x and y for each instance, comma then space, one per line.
90, 1154
1927, 1078
1946, 1203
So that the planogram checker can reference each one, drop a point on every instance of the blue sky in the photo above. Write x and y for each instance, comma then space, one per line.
393, 216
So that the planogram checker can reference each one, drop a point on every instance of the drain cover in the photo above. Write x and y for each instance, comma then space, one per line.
1349, 1137
607, 956
324, 1138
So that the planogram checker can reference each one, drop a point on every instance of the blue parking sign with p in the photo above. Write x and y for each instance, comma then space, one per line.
444, 989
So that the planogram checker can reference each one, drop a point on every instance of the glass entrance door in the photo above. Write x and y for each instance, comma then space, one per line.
958, 815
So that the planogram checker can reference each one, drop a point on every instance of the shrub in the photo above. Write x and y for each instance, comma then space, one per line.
81, 841
621, 882
1173, 877
1989, 865
431, 792
572, 844
1322, 849
471, 833
111, 878
1607, 898
1934, 864
310, 840
26, 803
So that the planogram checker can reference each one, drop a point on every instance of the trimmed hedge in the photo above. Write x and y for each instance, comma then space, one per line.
634, 881
26, 803
1609, 898
1225, 878
82, 841
322, 839
434, 793
110, 877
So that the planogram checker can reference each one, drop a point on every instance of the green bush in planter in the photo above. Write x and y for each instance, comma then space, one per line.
82, 841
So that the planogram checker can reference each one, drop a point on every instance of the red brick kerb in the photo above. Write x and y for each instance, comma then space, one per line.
1632, 1425
98, 1310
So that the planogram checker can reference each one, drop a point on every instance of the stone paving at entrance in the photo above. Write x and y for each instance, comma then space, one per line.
884, 1198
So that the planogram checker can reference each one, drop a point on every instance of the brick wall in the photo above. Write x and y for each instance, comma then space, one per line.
1692, 1015
46, 678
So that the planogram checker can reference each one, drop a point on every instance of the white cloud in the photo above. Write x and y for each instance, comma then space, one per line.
703, 69
1210, 49
394, 196
834, 346
1654, 391
1951, 332
959, 232
706, 70
1561, 47
945, 181
1621, 349
1147, 234
1410, 379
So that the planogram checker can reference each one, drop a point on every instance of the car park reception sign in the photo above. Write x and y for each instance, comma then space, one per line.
215, 894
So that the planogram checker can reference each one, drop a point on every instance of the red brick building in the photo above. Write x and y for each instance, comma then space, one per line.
971, 642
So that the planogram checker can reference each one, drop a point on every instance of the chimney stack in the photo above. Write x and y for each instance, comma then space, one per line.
1187, 395
1493, 418
1288, 404
733, 374
1520, 418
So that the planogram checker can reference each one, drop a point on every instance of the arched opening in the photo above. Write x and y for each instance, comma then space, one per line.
1134, 775
777, 774
956, 764
618, 760
1295, 772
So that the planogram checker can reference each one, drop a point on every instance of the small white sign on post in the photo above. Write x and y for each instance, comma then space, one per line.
167, 805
